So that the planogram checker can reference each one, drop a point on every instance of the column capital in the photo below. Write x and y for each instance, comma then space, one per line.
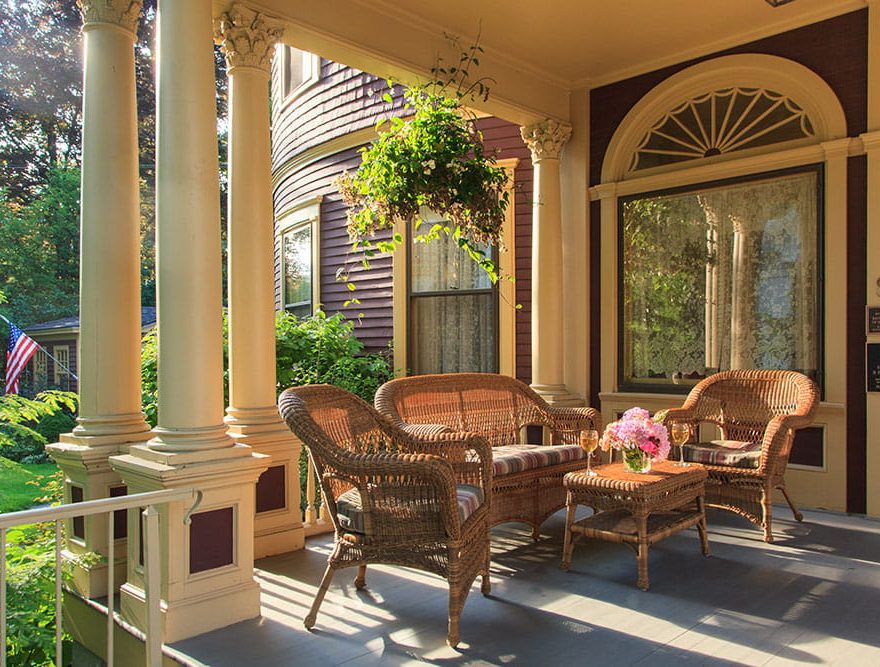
122, 13
546, 139
247, 37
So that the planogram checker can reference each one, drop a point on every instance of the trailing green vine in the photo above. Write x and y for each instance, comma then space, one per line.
431, 160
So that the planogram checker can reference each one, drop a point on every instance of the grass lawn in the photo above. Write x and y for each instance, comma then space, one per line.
15, 492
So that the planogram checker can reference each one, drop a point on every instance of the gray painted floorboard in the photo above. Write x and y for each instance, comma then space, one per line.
813, 596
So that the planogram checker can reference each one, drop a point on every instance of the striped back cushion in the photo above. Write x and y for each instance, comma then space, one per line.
510, 459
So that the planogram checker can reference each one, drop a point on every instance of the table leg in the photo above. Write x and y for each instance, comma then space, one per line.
702, 527
568, 544
642, 527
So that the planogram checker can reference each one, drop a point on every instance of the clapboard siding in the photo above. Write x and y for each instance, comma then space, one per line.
342, 101
373, 316
345, 101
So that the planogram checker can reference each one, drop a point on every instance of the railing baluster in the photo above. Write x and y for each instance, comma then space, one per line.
151, 588
58, 648
2, 597
111, 586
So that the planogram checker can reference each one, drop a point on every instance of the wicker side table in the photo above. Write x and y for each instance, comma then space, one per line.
635, 509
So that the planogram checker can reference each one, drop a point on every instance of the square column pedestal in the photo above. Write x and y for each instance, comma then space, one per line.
88, 476
206, 564
278, 526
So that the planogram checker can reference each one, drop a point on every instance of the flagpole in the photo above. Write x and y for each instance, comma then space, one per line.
48, 354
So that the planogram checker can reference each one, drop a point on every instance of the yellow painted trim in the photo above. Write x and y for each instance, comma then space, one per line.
400, 302
871, 141
62, 355
712, 170
507, 288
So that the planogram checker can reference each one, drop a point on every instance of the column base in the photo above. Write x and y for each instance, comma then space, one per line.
88, 579
109, 429
89, 476
278, 524
194, 616
206, 564
557, 395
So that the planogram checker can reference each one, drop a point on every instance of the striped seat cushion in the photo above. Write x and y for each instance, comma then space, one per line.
351, 511
510, 459
732, 453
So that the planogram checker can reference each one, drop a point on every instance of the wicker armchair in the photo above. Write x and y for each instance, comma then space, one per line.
391, 498
757, 412
527, 479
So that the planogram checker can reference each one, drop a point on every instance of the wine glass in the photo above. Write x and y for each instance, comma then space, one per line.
589, 440
681, 433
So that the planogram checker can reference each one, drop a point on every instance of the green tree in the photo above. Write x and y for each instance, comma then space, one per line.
39, 250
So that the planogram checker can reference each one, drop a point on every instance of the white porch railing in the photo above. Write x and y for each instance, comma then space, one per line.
152, 562
316, 519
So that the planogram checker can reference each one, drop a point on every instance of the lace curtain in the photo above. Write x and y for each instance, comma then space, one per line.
452, 311
725, 277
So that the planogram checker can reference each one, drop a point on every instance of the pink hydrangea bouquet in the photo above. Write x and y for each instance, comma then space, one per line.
639, 438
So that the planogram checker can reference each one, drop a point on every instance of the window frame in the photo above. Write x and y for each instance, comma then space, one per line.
300, 216
684, 387
312, 73
57, 371
411, 296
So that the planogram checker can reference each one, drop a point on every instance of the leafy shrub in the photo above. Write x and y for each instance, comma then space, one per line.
317, 349
324, 349
27, 424
30, 588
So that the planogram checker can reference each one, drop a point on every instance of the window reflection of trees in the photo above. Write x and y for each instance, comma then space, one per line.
720, 277
297, 258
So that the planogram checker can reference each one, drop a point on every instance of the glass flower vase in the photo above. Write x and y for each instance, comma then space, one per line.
635, 460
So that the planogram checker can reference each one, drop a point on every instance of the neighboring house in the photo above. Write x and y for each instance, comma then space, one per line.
58, 340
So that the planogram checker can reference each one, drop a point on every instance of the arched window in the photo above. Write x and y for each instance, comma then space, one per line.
714, 184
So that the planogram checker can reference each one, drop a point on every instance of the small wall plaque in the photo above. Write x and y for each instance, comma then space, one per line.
874, 319
873, 366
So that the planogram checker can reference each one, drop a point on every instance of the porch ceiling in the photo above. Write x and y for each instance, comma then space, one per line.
536, 51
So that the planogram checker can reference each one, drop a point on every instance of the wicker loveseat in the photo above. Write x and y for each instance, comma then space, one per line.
757, 413
527, 479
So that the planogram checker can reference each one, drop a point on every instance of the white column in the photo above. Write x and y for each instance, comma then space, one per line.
248, 41
110, 414
208, 563
545, 141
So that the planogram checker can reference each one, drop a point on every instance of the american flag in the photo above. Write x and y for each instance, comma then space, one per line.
21, 349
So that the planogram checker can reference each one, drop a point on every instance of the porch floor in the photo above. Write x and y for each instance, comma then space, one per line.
811, 597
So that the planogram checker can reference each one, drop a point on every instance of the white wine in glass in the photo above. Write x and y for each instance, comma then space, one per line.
681, 433
589, 440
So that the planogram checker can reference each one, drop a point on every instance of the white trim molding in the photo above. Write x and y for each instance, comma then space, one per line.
302, 214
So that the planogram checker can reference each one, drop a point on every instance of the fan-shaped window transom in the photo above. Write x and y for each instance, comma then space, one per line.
721, 122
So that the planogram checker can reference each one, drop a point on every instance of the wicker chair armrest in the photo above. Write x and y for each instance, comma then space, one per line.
571, 421
775, 446
398, 479
470, 456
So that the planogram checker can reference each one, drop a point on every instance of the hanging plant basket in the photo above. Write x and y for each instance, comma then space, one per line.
433, 160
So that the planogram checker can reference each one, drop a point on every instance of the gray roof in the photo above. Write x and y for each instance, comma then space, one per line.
148, 318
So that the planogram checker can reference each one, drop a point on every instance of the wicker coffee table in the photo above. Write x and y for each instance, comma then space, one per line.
635, 509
